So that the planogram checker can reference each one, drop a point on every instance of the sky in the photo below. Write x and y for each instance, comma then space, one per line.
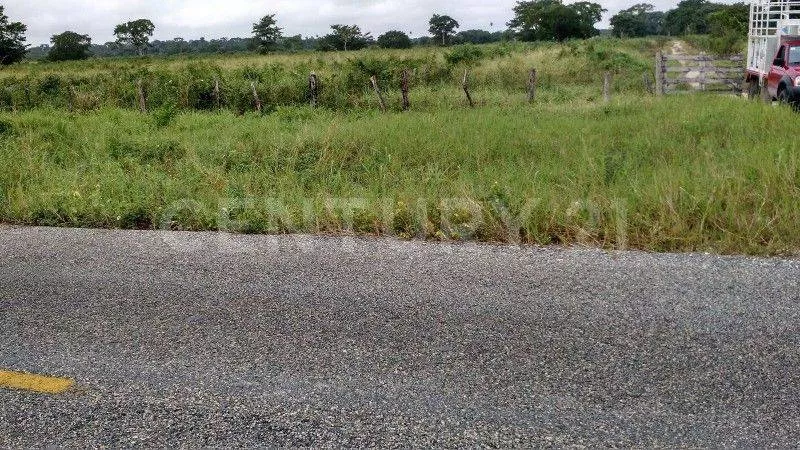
234, 18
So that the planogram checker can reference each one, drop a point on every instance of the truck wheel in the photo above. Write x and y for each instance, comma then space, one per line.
753, 89
783, 96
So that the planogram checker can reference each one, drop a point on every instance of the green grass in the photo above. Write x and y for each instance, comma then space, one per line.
282, 80
684, 173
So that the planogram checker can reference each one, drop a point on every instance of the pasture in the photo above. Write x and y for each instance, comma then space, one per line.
675, 173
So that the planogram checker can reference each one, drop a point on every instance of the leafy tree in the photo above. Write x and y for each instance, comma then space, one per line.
267, 34
442, 27
551, 19
12, 40
136, 34
690, 17
69, 46
728, 28
475, 37
394, 39
345, 37
293, 43
638, 20
655, 23
588, 14
424, 41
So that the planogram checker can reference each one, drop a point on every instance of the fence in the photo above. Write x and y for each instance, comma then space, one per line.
682, 73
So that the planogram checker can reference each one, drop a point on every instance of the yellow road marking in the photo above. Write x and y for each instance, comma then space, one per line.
35, 383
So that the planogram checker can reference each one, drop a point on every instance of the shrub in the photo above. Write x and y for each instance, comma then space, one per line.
464, 54
163, 116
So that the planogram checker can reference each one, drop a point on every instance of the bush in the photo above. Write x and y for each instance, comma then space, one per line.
163, 116
464, 54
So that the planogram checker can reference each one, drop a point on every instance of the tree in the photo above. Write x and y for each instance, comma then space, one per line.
345, 37
69, 46
638, 20
476, 37
728, 28
551, 19
394, 39
442, 27
266, 34
12, 40
136, 34
293, 43
690, 17
588, 14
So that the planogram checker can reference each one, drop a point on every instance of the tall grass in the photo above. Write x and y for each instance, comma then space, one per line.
281, 80
687, 173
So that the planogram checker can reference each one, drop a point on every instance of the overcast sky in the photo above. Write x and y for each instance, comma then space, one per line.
234, 18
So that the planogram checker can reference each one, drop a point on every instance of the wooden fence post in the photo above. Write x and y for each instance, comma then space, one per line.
255, 96
532, 86
217, 99
142, 96
374, 81
404, 88
313, 89
466, 89
659, 73
703, 64
71, 99
607, 87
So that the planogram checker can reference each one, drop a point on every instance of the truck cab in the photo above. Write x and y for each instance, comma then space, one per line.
783, 79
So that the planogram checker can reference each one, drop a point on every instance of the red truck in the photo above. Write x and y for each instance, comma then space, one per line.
773, 50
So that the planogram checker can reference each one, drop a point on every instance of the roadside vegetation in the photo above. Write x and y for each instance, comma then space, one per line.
684, 173
230, 142
282, 80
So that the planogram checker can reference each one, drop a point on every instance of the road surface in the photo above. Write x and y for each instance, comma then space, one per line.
216, 340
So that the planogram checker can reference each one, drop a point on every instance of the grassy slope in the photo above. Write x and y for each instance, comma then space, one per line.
680, 173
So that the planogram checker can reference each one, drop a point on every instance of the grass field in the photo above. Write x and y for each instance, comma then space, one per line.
566, 72
683, 173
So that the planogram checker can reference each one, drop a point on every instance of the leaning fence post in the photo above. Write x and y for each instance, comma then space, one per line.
659, 73
466, 88
255, 96
404, 89
142, 96
313, 89
607, 87
532, 86
374, 81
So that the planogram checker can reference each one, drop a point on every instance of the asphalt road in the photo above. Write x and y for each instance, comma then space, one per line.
215, 340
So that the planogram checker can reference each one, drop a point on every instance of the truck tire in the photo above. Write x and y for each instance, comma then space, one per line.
783, 98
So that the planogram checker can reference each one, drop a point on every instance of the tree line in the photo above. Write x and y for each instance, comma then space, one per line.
534, 20
726, 24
